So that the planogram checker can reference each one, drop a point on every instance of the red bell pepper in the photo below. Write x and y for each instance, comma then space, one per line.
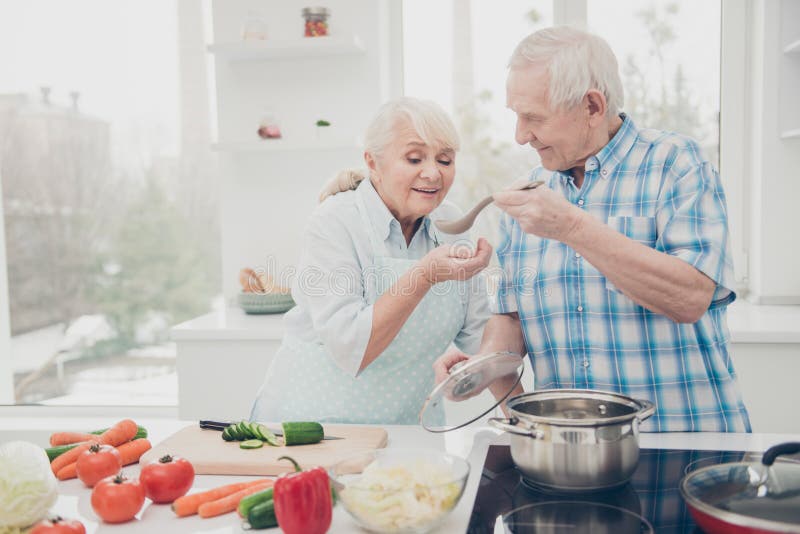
303, 500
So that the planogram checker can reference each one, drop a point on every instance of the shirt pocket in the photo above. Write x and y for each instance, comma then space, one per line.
641, 229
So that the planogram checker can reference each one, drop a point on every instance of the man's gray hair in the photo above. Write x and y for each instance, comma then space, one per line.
577, 62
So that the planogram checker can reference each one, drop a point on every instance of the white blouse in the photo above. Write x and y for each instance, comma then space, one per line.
328, 287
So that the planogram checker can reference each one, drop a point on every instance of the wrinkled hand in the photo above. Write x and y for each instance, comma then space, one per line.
442, 365
441, 370
455, 261
541, 212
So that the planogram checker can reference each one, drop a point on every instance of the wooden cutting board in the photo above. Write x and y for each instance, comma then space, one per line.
211, 455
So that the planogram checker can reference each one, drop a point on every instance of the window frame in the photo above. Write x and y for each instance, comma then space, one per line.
6, 374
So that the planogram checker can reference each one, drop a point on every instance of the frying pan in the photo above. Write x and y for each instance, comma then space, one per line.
747, 497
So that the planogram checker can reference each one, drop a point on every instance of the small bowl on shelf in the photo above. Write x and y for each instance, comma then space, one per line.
261, 303
399, 490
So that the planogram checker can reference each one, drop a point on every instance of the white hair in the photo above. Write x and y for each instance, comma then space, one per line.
429, 120
577, 61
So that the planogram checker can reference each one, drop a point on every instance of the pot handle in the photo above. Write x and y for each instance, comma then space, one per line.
772, 453
510, 425
647, 409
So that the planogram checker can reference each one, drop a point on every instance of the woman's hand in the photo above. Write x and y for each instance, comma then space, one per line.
455, 261
442, 365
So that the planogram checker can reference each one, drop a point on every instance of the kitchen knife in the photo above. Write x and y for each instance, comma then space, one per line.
218, 425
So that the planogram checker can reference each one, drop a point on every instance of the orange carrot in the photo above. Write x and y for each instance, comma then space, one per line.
68, 438
118, 434
69, 457
132, 450
188, 504
68, 471
230, 502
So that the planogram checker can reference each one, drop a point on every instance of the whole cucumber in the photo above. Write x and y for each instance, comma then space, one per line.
302, 432
251, 501
262, 515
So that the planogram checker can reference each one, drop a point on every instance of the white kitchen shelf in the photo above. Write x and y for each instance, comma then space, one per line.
792, 48
280, 145
791, 134
307, 47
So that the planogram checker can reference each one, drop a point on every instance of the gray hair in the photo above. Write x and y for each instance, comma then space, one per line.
429, 120
577, 62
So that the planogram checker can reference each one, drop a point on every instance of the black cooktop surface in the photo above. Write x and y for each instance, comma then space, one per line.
650, 502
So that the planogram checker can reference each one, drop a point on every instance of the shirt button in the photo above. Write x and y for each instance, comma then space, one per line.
580, 202
586, 363
580, 308
577, 254
604, 172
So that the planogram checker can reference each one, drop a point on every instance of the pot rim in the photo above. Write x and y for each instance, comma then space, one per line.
726, 516
643, 408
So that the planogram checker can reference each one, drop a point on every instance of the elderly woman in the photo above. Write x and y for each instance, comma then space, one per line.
380, 292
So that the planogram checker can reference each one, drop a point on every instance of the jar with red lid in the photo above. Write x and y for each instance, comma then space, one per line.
316, 21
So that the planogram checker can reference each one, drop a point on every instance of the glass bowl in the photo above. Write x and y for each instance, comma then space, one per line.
399, 490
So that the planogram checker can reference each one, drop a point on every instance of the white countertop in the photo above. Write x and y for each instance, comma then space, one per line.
470, 443
748, 323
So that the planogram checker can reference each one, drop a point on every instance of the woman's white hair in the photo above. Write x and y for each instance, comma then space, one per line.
577, 62
429, 120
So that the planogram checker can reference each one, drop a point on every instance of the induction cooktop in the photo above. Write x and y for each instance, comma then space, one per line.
650, 502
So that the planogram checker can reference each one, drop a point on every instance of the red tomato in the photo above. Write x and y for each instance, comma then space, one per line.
117, 499
167, 478
98, 462
58, 525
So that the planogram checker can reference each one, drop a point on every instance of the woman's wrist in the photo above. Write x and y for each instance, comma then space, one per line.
424, 275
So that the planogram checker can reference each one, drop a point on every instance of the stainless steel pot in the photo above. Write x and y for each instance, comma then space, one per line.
575, 439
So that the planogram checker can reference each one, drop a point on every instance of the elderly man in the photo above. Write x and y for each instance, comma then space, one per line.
617, 274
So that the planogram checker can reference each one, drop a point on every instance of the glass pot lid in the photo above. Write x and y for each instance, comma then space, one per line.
467, 379
749, 494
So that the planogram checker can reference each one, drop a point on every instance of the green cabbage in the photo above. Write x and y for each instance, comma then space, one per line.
27, 486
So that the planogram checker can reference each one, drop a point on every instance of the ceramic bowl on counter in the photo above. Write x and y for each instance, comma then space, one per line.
399, 490
258, 303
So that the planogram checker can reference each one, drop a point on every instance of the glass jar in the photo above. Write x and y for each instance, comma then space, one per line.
254, 28
316, 21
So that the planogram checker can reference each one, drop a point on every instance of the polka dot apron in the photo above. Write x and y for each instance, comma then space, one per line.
304, 382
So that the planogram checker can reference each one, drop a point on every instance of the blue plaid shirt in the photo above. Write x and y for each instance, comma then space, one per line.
581, 332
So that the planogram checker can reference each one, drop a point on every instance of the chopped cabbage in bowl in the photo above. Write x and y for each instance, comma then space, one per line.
400, 490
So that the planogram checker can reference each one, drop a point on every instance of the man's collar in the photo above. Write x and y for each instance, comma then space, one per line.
615, 150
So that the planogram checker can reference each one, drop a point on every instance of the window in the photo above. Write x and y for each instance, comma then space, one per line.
668, 50
108, 199
461, 64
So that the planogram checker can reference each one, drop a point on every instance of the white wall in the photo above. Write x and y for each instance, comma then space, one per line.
268, 196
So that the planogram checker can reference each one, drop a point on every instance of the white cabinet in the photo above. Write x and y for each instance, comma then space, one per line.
269, 187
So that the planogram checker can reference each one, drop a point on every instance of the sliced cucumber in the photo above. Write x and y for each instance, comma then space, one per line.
266, 434
227, 434
251, 444
243, 430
